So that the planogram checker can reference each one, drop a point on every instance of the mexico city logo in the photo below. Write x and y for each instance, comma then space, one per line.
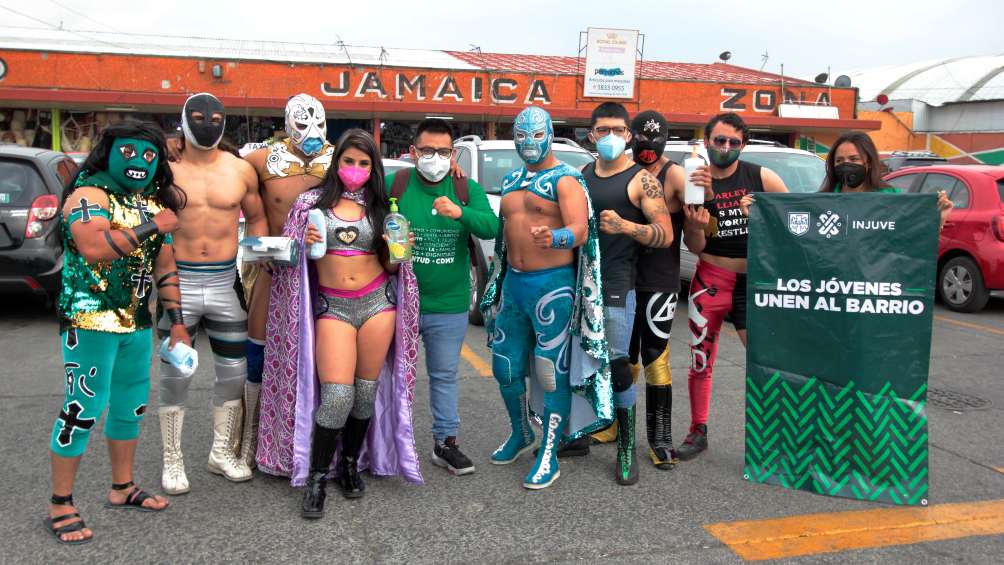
829, 224
798, 222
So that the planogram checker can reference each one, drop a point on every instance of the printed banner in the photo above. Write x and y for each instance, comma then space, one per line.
610, 60
841, 296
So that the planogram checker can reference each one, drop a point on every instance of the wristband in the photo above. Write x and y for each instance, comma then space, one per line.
562, 238
145, 230
175, 315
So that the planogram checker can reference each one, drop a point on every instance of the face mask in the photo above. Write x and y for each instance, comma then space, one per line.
533, 133
203, 134
353, 178
305, 124
722, 159
610, 147
653, 128
850, 175
433, 168
133, 163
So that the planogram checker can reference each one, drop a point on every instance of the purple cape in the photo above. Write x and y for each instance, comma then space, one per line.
289, 394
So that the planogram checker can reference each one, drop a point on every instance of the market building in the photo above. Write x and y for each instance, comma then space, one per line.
953, 108
82, 80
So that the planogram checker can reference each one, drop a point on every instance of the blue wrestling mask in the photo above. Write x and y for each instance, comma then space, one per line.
533, 132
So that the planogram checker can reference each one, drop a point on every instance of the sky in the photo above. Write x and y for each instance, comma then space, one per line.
805, 36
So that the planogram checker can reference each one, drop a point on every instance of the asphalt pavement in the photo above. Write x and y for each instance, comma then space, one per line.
486, 517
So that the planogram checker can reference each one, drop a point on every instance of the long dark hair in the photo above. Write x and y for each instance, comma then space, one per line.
374, 191
866, 147
170, 195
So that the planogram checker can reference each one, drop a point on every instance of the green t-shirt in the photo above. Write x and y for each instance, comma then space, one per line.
440, 258
890, 189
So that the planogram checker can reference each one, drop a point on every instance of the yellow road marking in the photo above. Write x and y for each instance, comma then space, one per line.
841, 531
479, 364
969, 325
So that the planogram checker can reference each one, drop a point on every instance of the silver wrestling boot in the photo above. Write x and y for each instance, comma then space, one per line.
223, 459
249, 431
173, 478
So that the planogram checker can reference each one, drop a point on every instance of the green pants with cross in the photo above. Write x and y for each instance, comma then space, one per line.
102, 369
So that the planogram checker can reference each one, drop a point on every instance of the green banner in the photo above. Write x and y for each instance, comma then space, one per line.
840, 300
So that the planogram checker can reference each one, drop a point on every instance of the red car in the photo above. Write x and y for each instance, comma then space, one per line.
971, 248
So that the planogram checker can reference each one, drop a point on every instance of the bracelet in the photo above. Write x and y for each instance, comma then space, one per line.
562, 238
145, 230
175, 315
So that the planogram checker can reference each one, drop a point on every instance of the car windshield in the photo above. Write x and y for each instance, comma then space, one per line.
800, 172
497, 163
20, 183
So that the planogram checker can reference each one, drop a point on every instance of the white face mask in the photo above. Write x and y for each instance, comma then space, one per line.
433, 168
305, 124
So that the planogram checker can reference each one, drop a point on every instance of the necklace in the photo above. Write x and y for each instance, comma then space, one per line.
357, 196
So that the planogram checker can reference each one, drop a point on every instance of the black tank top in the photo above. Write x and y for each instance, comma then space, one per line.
729, 228
618, 253
658, 268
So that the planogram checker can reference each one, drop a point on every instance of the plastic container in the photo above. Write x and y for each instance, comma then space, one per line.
182, 357
692, 193
396, 228
317, 250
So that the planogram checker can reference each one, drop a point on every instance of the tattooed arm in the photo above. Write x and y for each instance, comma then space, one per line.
165, 270
646, 193
86, 211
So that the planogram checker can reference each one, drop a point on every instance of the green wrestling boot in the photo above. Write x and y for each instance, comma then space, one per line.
627, 465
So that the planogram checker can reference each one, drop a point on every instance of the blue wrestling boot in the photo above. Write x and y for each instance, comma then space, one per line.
521, 438
545, 470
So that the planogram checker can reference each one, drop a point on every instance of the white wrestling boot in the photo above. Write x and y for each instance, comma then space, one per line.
249, 431
223, 459
173, 478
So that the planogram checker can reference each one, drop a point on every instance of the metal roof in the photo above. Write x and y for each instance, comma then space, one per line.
26, 38
935, 82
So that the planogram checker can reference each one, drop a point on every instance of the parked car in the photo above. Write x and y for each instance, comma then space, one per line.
487, 162
901, 159
971, 246
31, 251
800, 170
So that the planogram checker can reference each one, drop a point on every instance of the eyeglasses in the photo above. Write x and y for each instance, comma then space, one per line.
723, 141
444, 152
604, 131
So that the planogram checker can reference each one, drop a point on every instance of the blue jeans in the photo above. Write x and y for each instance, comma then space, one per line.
443, 336
619, 323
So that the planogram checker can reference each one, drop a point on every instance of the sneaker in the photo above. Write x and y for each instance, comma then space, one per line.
696, 442
449, 456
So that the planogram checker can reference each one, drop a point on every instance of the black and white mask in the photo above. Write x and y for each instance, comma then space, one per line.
203, 120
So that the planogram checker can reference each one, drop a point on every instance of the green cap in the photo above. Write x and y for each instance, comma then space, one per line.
393, 204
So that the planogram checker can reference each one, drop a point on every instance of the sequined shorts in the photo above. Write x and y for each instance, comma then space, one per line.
356, 306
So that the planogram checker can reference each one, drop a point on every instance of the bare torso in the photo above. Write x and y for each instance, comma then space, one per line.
278, 194
348, 272
208, 223
523, 210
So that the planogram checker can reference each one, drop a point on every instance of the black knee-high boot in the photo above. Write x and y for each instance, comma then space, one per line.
322, 450
348, 469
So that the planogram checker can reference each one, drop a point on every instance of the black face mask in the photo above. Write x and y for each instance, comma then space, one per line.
850, 175
648, 137
203, 134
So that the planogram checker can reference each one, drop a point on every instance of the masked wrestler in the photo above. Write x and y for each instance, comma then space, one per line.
285, 169
218, 186
117, 218
544, 301
342, 335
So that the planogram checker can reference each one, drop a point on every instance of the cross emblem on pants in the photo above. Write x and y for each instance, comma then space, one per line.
85, 210
142, 280
70, 417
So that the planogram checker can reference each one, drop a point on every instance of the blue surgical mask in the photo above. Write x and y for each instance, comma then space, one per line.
533, 133
312, 146
610, 147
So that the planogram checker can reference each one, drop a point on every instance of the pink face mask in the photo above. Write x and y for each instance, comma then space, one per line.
353, 177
